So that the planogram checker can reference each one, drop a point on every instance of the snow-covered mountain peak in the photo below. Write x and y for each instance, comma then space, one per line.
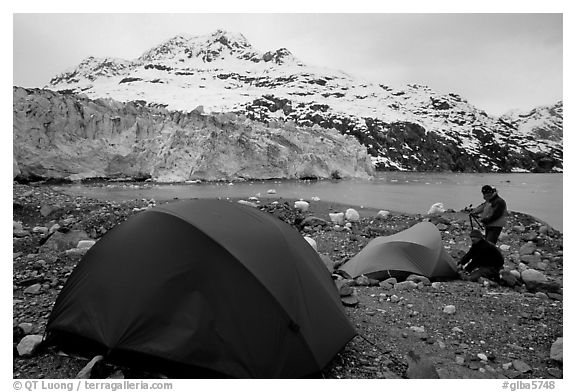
208, 48
544, 122
186, 50
92, 68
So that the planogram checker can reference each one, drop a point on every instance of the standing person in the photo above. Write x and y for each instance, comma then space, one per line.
492, 213
483, 260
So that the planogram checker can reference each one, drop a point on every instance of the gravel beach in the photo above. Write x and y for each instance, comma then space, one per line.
455, 329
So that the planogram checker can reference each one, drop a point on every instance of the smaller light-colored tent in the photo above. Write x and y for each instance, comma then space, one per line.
417, 250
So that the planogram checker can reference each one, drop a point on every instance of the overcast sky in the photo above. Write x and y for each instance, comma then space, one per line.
496, 61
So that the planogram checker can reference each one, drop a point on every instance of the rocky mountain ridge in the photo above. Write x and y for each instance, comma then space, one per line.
408, 128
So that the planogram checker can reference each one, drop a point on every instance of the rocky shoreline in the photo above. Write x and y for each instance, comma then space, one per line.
454, 329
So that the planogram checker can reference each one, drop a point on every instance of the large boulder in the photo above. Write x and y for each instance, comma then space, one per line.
556, 350
29, 345
61, 242
531, 276
537, 281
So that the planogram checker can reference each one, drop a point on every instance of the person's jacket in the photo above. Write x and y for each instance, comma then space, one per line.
492, 212
482, 254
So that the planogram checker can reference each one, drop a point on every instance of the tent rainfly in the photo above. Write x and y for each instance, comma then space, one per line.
203, 287
417, 250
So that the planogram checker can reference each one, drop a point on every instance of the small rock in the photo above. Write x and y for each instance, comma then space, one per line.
85, 244
532, 260
482, 357
541, 295
394, 299
460, 360
418, 279
352, 215
301, 205
543, 230
27, 328
54, 228
555, 372
519, 229
344, 287
28, 345
351, 300
383, 214
527, 249
314, 221
436, 208
40, 230
449, 309
46, 210
541, 266
20, 233
505, 247
271, 191
521, 366
247, 203
530, 236
34, 289
362, 280
337, 218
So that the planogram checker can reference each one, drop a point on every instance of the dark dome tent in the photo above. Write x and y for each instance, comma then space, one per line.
203, 285
417, 250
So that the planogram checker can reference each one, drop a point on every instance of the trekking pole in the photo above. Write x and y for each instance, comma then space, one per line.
473, 219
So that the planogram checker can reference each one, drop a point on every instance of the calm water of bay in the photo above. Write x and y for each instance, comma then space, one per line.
539, 195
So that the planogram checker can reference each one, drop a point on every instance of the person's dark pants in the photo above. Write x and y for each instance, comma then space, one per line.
485, 272
492, 233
